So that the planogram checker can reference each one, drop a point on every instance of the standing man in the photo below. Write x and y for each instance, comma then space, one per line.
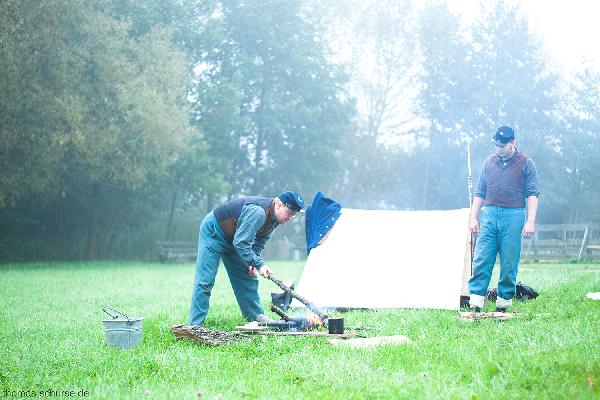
236, 231
508, 179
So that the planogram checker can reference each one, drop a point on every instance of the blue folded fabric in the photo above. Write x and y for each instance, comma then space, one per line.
321, 215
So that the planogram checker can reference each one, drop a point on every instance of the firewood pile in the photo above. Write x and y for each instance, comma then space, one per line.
209, 337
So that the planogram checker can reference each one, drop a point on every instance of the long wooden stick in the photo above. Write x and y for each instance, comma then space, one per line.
279, 312
301, 299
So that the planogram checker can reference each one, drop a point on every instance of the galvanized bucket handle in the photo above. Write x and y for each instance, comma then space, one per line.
106, 310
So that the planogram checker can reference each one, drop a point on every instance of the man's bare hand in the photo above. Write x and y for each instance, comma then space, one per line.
265, 271
473, 225
528, 229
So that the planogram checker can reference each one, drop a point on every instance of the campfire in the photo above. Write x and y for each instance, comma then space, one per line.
307, 323
315, 321
297, 323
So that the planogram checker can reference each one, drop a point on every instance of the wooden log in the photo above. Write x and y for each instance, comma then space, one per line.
279, 312
209, 337
301, 299
499, 316
346, 335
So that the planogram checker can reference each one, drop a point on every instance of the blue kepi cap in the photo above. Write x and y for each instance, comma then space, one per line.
504, 134
292, 199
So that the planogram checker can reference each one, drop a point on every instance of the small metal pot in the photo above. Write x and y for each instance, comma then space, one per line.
335, 326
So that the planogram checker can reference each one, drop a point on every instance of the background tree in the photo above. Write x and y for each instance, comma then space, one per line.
121, 123
285, 114
472, 86
444, 99
376, 39
100, 107
574, 170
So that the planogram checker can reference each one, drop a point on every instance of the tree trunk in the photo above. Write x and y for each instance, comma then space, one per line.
257, 152
93, 222
110, 238
61, 224
425, 193
210, 199
575, 198
169, 235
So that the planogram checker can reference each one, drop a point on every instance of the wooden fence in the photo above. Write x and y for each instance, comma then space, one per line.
562, 242
550, 242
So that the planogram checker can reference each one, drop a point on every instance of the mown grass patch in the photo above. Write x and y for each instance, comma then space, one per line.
51, 338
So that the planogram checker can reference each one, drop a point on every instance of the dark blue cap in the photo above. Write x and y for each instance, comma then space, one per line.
504, 134
293, 200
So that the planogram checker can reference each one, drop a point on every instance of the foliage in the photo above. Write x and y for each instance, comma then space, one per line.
52, 337
471, 85
123, 122
87, 107
116, 103
576, 196
376, 40
269, 101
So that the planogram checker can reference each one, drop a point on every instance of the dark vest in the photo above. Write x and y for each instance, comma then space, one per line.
505, 183
229, 212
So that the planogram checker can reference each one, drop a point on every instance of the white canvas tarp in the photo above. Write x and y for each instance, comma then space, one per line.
390, 259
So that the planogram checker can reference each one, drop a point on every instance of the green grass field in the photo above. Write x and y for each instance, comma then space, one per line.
52, 341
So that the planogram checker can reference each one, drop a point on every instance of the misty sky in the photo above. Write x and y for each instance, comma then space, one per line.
569, 29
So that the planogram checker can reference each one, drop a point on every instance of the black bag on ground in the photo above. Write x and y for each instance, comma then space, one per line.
524, 292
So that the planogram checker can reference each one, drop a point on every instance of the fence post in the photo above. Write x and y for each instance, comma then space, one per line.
583, 242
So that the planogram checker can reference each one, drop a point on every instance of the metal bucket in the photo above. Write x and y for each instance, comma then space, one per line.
121, 330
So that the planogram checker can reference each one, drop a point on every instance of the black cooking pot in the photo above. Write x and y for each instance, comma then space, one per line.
335, 326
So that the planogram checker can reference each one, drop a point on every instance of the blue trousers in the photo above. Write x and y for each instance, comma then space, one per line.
212, 247
500, 232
